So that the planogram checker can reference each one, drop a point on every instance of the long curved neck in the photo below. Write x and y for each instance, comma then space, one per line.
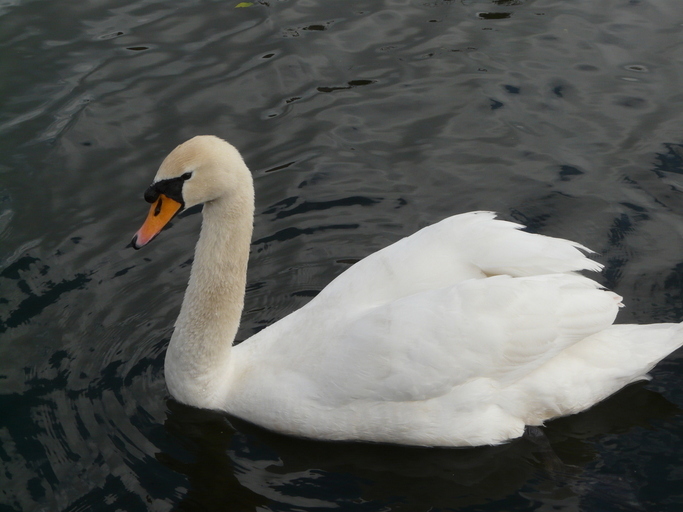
198, 356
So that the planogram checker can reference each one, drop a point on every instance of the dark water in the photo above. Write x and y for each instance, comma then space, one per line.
362, 121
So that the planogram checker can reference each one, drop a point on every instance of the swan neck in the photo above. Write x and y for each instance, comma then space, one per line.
198, 356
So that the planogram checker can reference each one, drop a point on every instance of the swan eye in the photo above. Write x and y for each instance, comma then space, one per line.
186, 176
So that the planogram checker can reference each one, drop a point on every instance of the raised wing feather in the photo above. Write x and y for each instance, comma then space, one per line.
470, 245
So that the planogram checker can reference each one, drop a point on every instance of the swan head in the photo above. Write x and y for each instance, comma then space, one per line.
200, 170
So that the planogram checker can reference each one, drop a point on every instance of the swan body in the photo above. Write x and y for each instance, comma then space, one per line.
458, 335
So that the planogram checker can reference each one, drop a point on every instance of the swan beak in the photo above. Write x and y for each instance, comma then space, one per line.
160, 214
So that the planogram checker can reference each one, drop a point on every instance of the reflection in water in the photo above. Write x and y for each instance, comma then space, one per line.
33, 303
228, 461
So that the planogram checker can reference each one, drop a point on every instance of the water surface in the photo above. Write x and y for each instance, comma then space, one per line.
362, 121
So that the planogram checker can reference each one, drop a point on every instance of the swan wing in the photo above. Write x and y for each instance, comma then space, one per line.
465, 246
425, 345
436, 325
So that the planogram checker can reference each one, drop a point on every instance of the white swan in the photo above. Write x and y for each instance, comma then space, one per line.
458, 335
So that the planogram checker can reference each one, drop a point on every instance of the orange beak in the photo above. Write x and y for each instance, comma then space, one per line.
160, 214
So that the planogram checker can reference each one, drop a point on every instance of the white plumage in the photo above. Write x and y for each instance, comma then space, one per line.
460, 334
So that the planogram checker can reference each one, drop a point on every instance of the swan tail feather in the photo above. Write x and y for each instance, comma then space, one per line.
593, 369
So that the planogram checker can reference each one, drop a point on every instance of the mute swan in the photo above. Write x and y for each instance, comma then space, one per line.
458, 335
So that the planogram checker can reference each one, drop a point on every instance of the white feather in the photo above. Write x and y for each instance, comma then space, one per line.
460, 334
